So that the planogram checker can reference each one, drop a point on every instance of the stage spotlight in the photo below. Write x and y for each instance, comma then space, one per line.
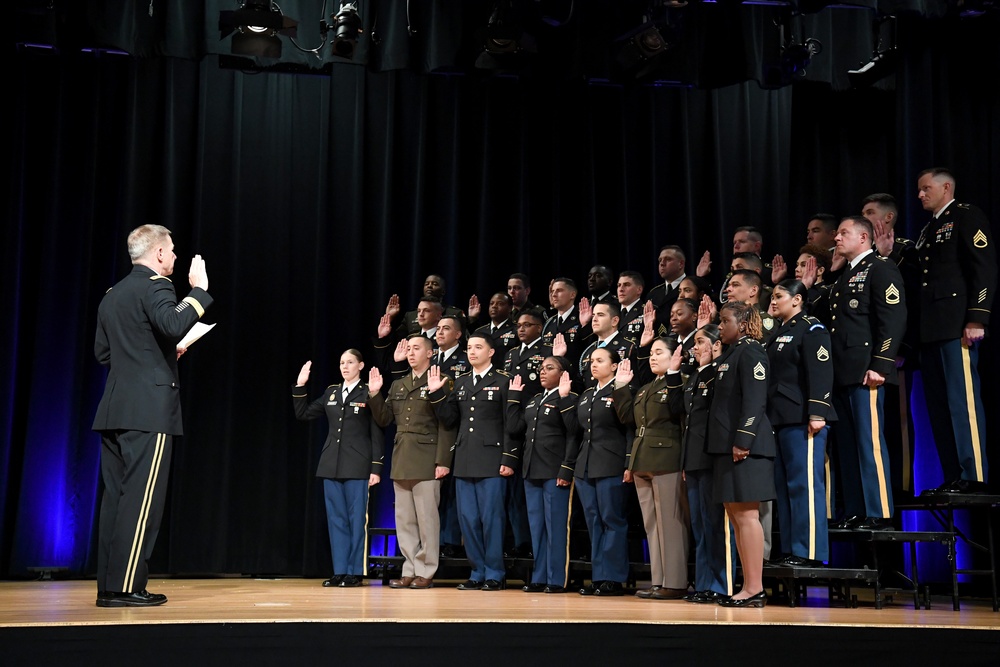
255, 27
505, 43
348, 26
641, 50
791, 63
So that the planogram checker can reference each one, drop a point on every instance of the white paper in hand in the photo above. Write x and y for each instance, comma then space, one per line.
197, 331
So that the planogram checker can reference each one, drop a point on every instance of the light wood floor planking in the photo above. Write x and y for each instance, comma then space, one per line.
245, 600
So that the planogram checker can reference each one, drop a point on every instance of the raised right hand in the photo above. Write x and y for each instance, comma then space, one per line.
374, 381
198, 275
303, 374
385, 326
392, 308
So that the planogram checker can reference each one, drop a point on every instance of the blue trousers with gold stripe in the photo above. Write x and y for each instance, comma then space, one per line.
134, 468
714, 539
800, 484
863, 456
549, 508
955, 408
347, 524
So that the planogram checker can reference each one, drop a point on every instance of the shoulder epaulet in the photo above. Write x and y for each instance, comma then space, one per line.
500, 371
331, 386
157, 277
962, 206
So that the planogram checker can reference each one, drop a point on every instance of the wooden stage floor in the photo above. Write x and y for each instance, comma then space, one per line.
244, 600
243, 621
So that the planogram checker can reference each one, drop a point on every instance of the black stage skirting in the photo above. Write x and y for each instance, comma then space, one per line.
487, 643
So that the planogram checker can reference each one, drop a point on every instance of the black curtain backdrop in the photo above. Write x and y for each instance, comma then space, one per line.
313, 198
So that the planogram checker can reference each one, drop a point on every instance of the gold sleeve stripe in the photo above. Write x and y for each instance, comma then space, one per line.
194, 303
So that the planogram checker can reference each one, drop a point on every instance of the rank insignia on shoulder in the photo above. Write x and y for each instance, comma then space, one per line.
980, 240
892, 294
823, 354
759, 372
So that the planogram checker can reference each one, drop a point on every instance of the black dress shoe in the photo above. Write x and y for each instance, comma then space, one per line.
533, 588
798, 561
333, 581
965, 486
848, 523
758, 601
493, 585
875, 523
590, 588
554, 589
351, 581
520, 551
943, 488
140, 599
609, 588
452, 551
471, 585
706, 597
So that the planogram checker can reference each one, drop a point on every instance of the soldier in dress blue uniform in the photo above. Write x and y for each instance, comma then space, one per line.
670, 266
573, 325
391, 344
600, 466
683, 323
519, 291
800, 403
604, 325
630, 287
350, 464
746, 286
956, 297
501, 328
524, 362
451, 359
867, 324
741, 440
880, 210
547, 423
484, 455
599, 283
139, 324
434, 287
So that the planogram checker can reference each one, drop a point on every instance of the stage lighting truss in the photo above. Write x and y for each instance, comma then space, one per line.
884, 55
258, 25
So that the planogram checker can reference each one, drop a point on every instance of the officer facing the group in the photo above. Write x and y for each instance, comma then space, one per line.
139, 324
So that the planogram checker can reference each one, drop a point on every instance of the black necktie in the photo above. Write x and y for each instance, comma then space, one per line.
475, 379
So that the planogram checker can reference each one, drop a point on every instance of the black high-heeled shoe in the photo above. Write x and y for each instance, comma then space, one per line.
757, 601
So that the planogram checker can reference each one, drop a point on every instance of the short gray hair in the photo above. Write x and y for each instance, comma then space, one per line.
143, 238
